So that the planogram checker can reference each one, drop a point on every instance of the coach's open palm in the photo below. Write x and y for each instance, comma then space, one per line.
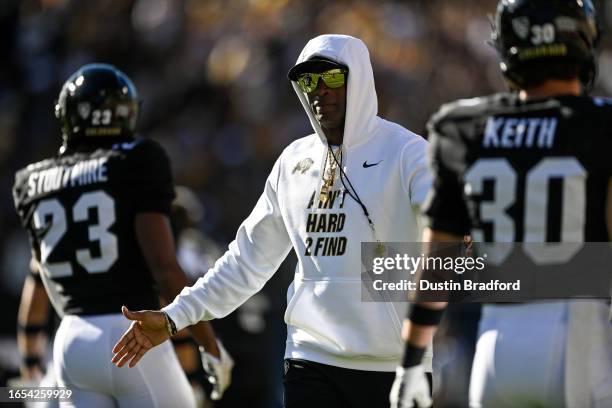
148, 329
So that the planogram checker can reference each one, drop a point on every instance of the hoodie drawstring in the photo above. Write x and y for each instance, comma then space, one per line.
352, 192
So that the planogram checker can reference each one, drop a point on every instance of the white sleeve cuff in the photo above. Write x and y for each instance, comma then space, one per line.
177, 315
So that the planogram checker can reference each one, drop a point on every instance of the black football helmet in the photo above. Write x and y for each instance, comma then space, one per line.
97, 102
529, 32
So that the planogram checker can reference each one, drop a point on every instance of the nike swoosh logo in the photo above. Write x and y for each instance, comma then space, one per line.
366, 165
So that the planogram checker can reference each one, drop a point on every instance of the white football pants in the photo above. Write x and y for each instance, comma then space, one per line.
82, 360
520, 356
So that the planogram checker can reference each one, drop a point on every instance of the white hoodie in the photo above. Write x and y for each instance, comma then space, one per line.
326, 318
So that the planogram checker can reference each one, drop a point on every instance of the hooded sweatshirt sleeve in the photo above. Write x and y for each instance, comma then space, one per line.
260, 246
416, 176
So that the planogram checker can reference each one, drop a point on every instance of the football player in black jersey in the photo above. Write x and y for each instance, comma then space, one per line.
532, 166
97, 218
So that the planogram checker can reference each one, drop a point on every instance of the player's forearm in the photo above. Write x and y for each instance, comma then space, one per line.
32, 319
421, 335
204, 335
418, 331
185, 350
155, 239
34, 304
170, 279
202, 332
32, 350
424, 317
32, 316
31, 345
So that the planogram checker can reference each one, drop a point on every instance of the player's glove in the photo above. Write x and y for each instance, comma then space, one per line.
410, 387
219, 370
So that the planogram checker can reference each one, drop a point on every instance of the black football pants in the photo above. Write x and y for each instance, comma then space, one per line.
314, 385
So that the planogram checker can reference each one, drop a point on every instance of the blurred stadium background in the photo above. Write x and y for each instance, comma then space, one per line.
211, 74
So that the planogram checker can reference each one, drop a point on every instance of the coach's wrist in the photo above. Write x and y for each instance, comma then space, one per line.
180, 318
170, 325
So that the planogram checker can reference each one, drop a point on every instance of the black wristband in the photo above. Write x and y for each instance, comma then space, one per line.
179, 341
32, 361
30, 329
413, 356
197, 375
424, 316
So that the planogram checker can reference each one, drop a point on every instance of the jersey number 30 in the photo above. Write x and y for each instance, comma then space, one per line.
53, 209
536, 198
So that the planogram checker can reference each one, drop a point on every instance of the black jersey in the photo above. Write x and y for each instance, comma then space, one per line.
513, 171
79, 210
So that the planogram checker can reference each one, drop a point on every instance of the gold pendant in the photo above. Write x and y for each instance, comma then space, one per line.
323, 195
380, 249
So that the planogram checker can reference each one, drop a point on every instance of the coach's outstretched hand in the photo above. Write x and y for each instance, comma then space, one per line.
147, 331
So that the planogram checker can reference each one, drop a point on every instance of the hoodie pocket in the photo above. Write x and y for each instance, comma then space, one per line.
292, 301
335, 320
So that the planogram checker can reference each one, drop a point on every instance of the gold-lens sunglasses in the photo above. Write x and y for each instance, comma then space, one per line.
334, 78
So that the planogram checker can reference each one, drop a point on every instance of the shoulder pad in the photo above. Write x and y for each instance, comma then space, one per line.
23, 173
467, 108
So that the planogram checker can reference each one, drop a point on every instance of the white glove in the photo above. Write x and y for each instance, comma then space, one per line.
410, 386
219, 370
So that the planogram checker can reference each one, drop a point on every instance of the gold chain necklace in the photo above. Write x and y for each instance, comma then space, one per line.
329, 174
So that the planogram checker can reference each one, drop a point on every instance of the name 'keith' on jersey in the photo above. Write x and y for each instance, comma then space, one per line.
79, 210
507, 170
